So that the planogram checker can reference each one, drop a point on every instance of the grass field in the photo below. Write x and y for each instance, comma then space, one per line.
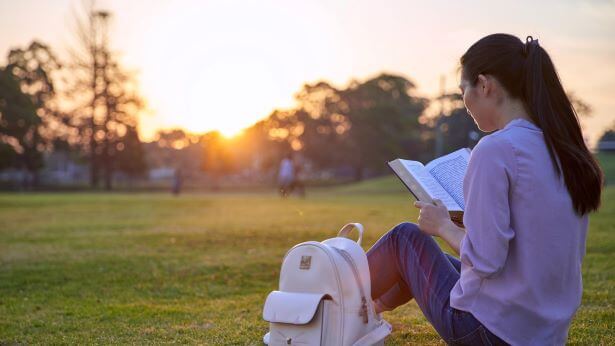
151, 268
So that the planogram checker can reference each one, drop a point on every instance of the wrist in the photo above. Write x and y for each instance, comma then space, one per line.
452, 235
446, 229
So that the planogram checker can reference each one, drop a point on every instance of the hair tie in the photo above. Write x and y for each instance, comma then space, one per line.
529, 41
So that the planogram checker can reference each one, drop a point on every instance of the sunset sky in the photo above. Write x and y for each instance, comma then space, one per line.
225, 64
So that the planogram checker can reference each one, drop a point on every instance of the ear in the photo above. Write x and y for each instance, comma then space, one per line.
483, 84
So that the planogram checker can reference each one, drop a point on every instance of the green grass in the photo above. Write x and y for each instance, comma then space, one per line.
607, 162
151, 268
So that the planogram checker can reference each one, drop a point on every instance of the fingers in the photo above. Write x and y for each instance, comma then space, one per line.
438, 202
420, 204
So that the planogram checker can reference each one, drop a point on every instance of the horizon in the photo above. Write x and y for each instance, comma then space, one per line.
265, 51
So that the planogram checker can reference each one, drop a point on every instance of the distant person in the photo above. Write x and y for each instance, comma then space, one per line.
177, 182
297, 184
286, 175
528, 191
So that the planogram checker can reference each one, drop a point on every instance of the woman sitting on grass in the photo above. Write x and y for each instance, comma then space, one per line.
528, 191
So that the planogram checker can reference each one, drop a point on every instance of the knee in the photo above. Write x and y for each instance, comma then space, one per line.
405, 230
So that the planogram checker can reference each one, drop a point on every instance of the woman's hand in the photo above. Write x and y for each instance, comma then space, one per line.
433, 219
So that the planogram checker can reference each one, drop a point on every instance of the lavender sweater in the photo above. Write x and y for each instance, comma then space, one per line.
524, 244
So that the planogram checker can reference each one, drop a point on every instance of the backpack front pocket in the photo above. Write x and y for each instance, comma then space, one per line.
299, 318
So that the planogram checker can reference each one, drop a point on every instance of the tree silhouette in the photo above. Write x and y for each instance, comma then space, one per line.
107, 99
19, 124
130, 161
360, 126
383, 114
33, 68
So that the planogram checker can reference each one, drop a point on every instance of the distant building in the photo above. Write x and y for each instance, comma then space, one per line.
606, 146
161, 173
61, 169
58, 169
607, 142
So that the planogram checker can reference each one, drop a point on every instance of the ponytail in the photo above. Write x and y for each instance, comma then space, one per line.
527, 73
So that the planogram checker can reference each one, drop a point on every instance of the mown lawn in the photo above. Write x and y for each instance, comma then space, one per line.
152, 268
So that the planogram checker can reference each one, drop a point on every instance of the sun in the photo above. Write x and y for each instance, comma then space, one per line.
231, 132
208, 66
230, 96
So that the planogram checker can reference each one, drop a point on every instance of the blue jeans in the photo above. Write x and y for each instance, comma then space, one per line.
406, 263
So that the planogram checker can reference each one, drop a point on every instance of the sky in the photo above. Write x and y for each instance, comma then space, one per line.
223, 65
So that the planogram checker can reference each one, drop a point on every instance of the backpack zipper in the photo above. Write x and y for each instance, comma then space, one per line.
346, 256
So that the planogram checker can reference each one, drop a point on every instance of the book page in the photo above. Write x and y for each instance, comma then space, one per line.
449, 171
431, 185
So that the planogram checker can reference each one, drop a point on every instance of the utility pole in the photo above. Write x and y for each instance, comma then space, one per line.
439, 121
106, 154
93, 129
98, 29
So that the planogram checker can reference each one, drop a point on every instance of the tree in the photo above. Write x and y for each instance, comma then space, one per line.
608, 135
107, 99
318, 125
360, 126
8, 155
454, 128
582, 108
256, 150
382, 114
605, 143
130, 157
18, 126
32, 68
173, 138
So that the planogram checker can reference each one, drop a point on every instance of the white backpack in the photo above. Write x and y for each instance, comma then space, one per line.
325, 296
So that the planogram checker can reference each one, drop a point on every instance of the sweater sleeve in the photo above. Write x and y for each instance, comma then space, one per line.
488, 181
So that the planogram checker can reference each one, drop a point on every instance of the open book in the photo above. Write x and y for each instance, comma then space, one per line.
441, 178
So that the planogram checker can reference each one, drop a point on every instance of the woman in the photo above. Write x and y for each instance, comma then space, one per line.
528, 191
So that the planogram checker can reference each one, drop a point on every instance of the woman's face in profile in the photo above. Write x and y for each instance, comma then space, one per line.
468, 95
477, 103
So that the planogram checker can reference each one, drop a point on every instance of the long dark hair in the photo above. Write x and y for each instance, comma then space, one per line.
527, 73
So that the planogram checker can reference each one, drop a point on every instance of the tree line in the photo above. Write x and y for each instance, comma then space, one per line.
356, 128
88, 106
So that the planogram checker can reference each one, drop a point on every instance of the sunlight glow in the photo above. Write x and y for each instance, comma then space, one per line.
226, 95
223, 65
